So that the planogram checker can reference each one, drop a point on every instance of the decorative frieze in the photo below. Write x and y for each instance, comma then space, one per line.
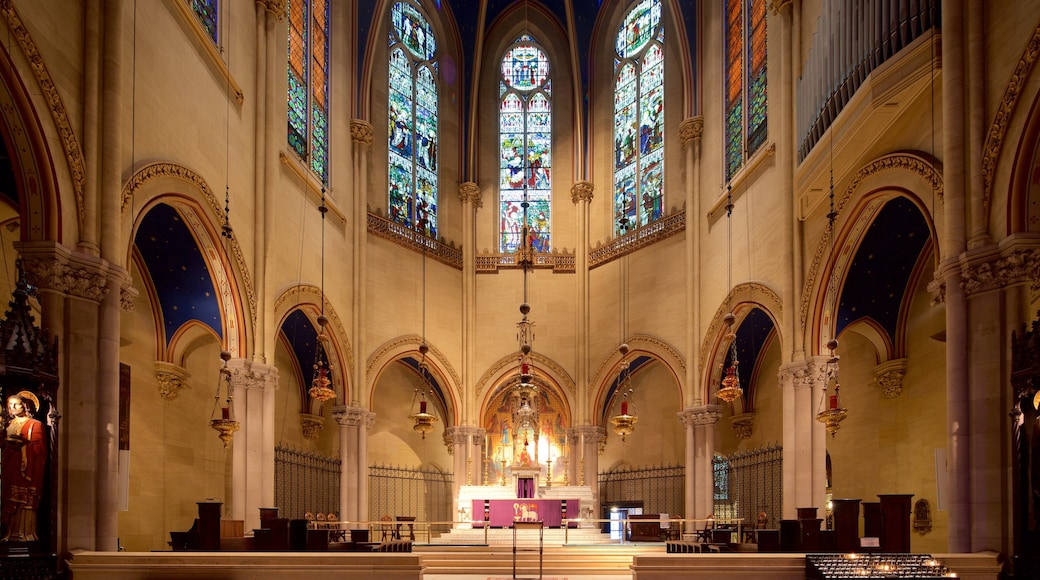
649, 234
62, 273
582, 191
469, 192
275, 7
889, 377
705, 415
690, 130
558, 260
413, 240
742, 424
252, 375
172, 378
350, 416
361, 132
312, 426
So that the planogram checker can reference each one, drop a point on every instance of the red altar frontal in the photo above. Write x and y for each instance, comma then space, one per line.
501, 513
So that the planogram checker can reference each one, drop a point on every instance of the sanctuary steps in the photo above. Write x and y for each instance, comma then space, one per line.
504, 536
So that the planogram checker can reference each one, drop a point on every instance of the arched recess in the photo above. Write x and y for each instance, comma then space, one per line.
505, 368
163, 182
309, 300
30, 157
204, 232
742, 300
640, 345
1023, 208
852, 232
912, 174
407, 347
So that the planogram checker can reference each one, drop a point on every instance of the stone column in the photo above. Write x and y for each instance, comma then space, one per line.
352, 420
368, 418
469, 195
252, 460
805, 445
700, 454
590, 438
690, 136
361, 136
460, 438
475, 461
271, 116
581, 196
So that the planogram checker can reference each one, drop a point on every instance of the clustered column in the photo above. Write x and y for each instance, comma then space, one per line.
700, 453
354, 422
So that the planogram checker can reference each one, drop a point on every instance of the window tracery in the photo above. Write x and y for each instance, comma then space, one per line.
745, 78
308, 71
206, 11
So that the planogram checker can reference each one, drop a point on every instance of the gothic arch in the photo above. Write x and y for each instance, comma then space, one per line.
741, 301
206, 231
911, 174
309, 299
439, 367
1023, 204
639, 345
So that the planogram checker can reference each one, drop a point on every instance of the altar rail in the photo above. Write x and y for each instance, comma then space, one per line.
410, 491
305, 481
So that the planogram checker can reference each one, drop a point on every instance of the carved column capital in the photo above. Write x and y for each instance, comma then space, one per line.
361, 131
172, 379
582, 191
705, 415
312, 426
53, 267
274, 7
350, 416
248, 374
690, 130
742, 424
889, 376
469, 192
779, 5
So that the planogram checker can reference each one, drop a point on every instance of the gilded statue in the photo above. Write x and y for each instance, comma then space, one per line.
22, 462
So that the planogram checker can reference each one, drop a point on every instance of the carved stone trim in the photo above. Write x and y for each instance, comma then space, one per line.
749, 292
55, 268
361, 132
705, 415
661, 350
651, 233
1005, 111
252, 375
929, 170
413, 240
350, 416
311, 426
691, 129
411, 340
538, 361
742, 424
1012, 266
469, 192
582, 191
159, 170
60, 116
558, 260
779, 5
889, 376
128, 298
339, 331
172, 378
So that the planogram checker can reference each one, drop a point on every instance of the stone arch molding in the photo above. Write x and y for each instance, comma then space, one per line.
547, 372
914, 174
741, 300
397, 348
308, 295
657, 348
154, 180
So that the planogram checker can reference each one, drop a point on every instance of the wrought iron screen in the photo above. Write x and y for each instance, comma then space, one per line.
660, 488
411, 491
749, 482
305, 481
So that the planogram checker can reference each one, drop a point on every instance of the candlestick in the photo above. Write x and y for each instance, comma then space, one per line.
503, 472
469, 469
485, 470
548, 473
581, 472
566, 472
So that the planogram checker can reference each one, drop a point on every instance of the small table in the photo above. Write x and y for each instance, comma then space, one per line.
411, 527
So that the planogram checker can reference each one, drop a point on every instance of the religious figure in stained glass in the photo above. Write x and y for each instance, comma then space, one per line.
206, 11
745, 81
412, 120
308, 69
525, 147
639, 118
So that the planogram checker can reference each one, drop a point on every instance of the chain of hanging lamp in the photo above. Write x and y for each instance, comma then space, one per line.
422, 419
321, 384
730, 390
831, 412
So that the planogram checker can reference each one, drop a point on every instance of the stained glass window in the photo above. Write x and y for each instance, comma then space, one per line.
745, 81
525, 146
639, 118
412, 120
308, 69
206, 10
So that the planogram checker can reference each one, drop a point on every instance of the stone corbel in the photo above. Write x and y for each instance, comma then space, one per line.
742, 424
172, 378
889, 377
312, 426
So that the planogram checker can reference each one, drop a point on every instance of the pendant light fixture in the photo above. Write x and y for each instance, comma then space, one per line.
730, 390
321, 384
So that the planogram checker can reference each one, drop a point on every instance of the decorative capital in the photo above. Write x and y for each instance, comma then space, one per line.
311, 425
469, 192
350, 416
889, 376
690, 129
49, 266
275, 7
582, 191
172, 379
742, 424
695, 416
779, 5
361, 131
248, 374
127, 296
1009, 267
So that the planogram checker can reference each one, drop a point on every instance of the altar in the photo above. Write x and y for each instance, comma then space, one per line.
551, 503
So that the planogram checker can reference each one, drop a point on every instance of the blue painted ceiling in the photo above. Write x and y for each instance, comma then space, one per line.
437, 391
178, 271
752, 335
633, 366
881, 270
302, 338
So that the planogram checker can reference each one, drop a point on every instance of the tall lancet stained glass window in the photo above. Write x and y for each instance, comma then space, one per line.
309, 83
745, 80
525, 146
206, 11
639, 118
412, 120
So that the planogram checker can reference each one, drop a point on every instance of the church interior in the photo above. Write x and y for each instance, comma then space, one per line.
371, 261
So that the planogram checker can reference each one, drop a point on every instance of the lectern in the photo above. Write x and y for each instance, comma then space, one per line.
528, 526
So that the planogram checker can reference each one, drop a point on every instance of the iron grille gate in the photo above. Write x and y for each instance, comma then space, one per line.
748, 483
411, 491
305, 482
660, 488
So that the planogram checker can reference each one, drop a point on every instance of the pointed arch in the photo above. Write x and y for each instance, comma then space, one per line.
439, 367
547, 372
639, 345
744, 299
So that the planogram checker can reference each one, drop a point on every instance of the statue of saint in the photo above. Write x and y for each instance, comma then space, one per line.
22, 463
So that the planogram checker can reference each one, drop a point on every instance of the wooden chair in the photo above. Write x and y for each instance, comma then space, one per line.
704, 534
386, 526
